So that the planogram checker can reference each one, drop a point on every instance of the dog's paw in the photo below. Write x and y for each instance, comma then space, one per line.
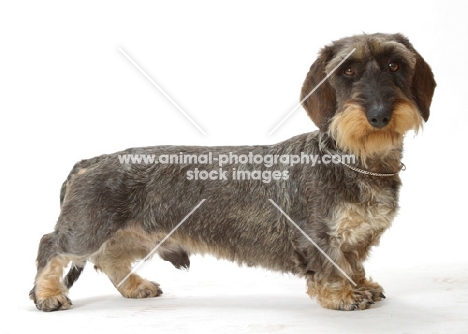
53, 303
359, 300
146, 289
343, 296
375, 289
346, 300
137, 287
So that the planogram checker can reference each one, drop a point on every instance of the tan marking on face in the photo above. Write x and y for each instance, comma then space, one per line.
353, 133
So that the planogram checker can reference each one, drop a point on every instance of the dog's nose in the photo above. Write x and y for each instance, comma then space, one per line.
379, 116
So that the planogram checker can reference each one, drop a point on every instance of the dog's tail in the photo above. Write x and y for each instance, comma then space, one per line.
73, 274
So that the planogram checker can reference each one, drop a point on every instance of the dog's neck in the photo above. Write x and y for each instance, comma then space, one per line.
386, 163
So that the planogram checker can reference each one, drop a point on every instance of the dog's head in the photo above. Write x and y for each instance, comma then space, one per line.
372, 95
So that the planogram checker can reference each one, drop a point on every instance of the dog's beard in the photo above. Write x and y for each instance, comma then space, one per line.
353, 133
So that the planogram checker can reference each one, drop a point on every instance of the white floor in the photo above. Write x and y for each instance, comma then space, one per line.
218, 297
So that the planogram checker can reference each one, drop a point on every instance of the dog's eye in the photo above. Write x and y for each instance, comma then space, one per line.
349, 71
393, 66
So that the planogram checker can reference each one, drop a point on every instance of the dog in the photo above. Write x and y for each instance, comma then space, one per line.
318, 221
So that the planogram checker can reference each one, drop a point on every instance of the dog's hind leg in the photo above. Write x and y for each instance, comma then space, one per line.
115, 259
49, 292
73, 274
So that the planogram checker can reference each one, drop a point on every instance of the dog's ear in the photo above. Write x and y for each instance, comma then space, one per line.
321, 104
423, 86
423, 83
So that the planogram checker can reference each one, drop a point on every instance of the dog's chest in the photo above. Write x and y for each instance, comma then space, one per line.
361, 223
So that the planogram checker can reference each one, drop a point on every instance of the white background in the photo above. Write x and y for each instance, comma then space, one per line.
67, 93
